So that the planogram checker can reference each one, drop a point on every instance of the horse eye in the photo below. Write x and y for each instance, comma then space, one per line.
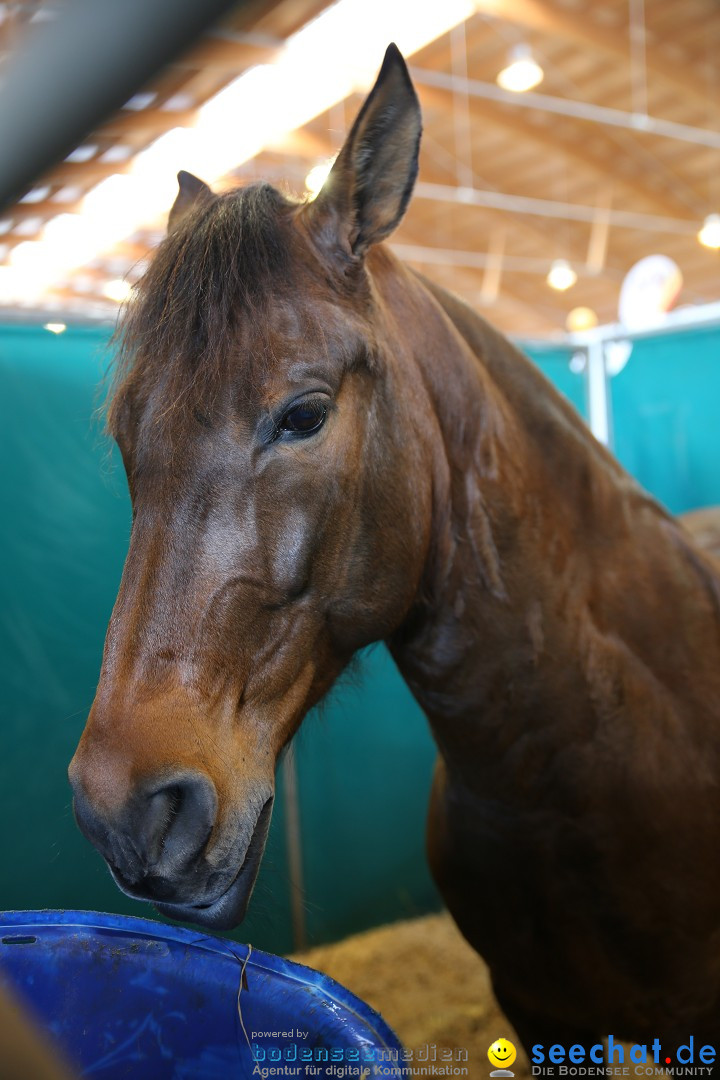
304, 419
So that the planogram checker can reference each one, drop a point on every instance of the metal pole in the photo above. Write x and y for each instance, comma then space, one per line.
293, 839
551, 208
597, 393
580, 110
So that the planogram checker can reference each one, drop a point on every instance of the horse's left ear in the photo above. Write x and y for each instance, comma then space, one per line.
369, 186
191, 191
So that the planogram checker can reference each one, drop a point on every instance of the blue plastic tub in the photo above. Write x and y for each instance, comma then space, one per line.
134, 998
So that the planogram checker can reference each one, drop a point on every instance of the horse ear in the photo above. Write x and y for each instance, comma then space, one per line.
191, 192
369, 186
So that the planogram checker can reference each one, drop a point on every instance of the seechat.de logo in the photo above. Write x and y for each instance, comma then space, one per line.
690, 1059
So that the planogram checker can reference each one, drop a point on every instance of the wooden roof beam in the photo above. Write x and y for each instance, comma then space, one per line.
501, 118
228, 54
145, 122
468, 284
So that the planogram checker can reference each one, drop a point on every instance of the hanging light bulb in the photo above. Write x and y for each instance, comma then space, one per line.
522, 71
581, 318
561, 275
709, 235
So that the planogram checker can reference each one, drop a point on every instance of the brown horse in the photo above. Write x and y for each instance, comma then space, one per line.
323, 450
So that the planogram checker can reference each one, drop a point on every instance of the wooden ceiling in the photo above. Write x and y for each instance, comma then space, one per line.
609, 192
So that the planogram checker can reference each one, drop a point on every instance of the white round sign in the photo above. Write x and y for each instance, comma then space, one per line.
649, 290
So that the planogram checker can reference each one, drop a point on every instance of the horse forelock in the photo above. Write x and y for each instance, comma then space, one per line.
212, 284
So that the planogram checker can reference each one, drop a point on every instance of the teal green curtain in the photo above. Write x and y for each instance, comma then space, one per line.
554, 362
665, 405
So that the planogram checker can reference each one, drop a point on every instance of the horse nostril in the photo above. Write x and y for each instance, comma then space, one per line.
156, 833
155, 819
175, 820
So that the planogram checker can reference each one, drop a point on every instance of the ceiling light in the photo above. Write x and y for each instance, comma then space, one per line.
522, 71
178, 103
38, 194
141, 101
561, 275
28, 226
317, 177
581, 318
709, 235
55, 327
116, 153
67, 194
117, 290
81, 154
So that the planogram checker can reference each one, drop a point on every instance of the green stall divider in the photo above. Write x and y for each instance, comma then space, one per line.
665, 404
365, 761
364, 758
554, 362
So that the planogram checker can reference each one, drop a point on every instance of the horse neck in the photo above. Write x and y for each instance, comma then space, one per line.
554, 584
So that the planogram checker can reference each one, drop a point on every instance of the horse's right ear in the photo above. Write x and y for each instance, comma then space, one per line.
369, 186
191, 192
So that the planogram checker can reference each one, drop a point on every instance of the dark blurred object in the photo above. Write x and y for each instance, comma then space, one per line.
25, 1053
73, 70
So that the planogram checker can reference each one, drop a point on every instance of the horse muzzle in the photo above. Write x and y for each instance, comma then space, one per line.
164, 844
229, 908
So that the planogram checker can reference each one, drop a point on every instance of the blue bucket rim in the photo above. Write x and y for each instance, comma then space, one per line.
132, 925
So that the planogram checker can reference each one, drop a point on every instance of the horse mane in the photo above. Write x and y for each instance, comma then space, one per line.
213, 273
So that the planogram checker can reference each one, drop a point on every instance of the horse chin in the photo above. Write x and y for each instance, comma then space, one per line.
225, 913
229, 909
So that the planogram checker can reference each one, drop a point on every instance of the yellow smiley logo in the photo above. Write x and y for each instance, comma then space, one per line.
502, 1053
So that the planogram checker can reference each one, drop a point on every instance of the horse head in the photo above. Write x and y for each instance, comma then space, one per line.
264, 408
